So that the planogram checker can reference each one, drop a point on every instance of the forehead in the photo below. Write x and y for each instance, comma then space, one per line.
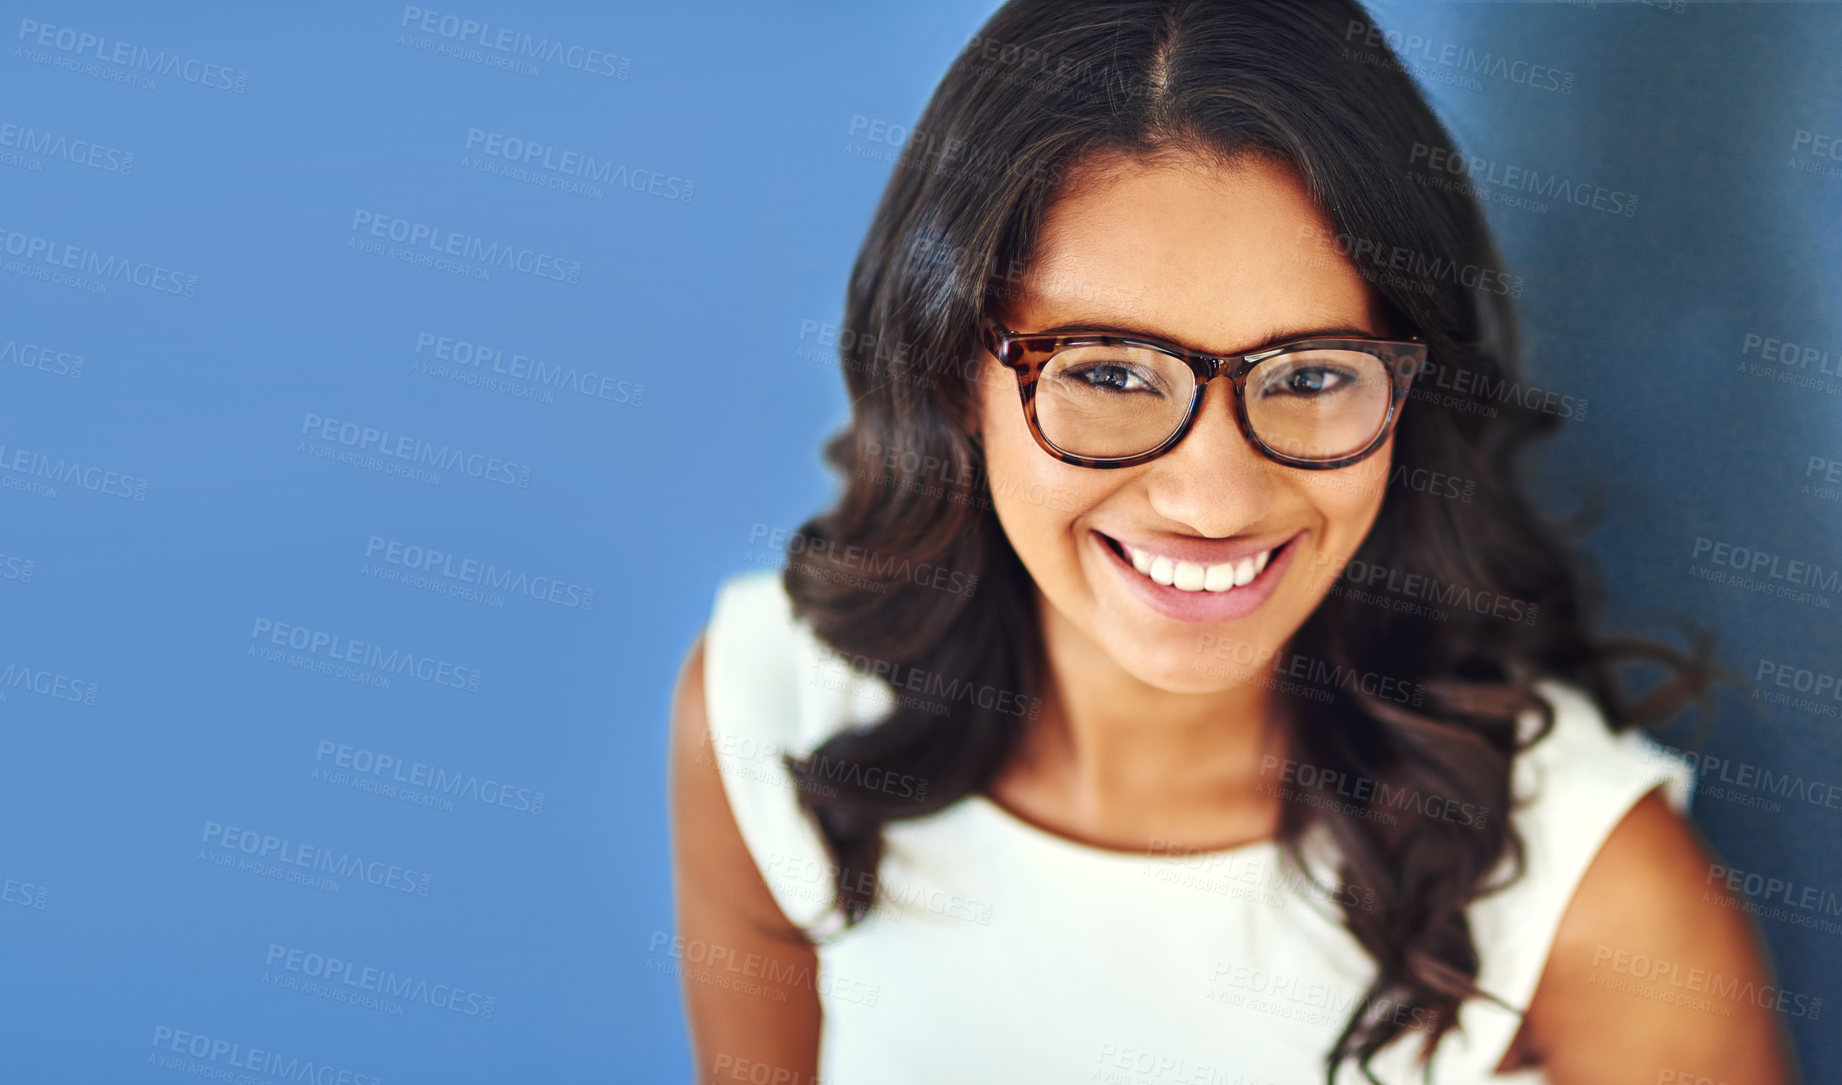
1209, 256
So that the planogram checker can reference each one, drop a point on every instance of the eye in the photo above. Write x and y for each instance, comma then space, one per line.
1307, 381
1112, 377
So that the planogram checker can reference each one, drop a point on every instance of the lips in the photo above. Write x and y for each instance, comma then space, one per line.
1200, 580
1204, 552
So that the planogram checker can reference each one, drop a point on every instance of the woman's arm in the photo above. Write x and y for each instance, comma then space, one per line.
1652, 918
741, 955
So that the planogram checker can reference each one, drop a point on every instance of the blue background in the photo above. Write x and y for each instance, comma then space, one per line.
113, 925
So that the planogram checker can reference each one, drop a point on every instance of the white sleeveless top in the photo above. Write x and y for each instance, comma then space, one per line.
998, 951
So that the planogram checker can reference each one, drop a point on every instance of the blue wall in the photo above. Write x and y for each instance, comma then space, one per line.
258, 456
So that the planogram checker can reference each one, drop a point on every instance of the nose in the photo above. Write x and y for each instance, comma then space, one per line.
1214, 482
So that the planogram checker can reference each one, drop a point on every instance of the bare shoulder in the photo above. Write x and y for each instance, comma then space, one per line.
1655, 969
749, 975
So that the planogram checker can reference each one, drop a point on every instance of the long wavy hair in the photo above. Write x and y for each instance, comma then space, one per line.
1044, 84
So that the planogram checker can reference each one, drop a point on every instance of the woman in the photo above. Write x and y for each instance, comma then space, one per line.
1173, 694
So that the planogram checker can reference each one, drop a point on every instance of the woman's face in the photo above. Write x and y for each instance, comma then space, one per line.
1218, 261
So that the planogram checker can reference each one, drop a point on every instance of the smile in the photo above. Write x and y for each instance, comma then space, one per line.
1198, 580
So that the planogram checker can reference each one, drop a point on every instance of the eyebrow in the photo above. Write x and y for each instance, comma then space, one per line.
1284, 335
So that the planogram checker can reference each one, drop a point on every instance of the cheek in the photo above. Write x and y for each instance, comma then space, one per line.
1349, 500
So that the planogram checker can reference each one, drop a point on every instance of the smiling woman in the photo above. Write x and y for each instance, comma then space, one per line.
1243, 762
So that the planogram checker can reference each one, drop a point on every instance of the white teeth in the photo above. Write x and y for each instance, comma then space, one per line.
1188, 576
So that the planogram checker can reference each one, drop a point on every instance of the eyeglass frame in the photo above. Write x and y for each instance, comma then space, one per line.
1027, 353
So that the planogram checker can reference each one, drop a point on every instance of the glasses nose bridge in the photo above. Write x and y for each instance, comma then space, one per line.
1217, 365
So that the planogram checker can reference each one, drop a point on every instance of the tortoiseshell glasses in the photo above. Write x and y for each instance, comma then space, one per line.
1101, 399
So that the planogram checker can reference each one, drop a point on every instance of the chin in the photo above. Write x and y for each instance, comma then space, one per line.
1184, 658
